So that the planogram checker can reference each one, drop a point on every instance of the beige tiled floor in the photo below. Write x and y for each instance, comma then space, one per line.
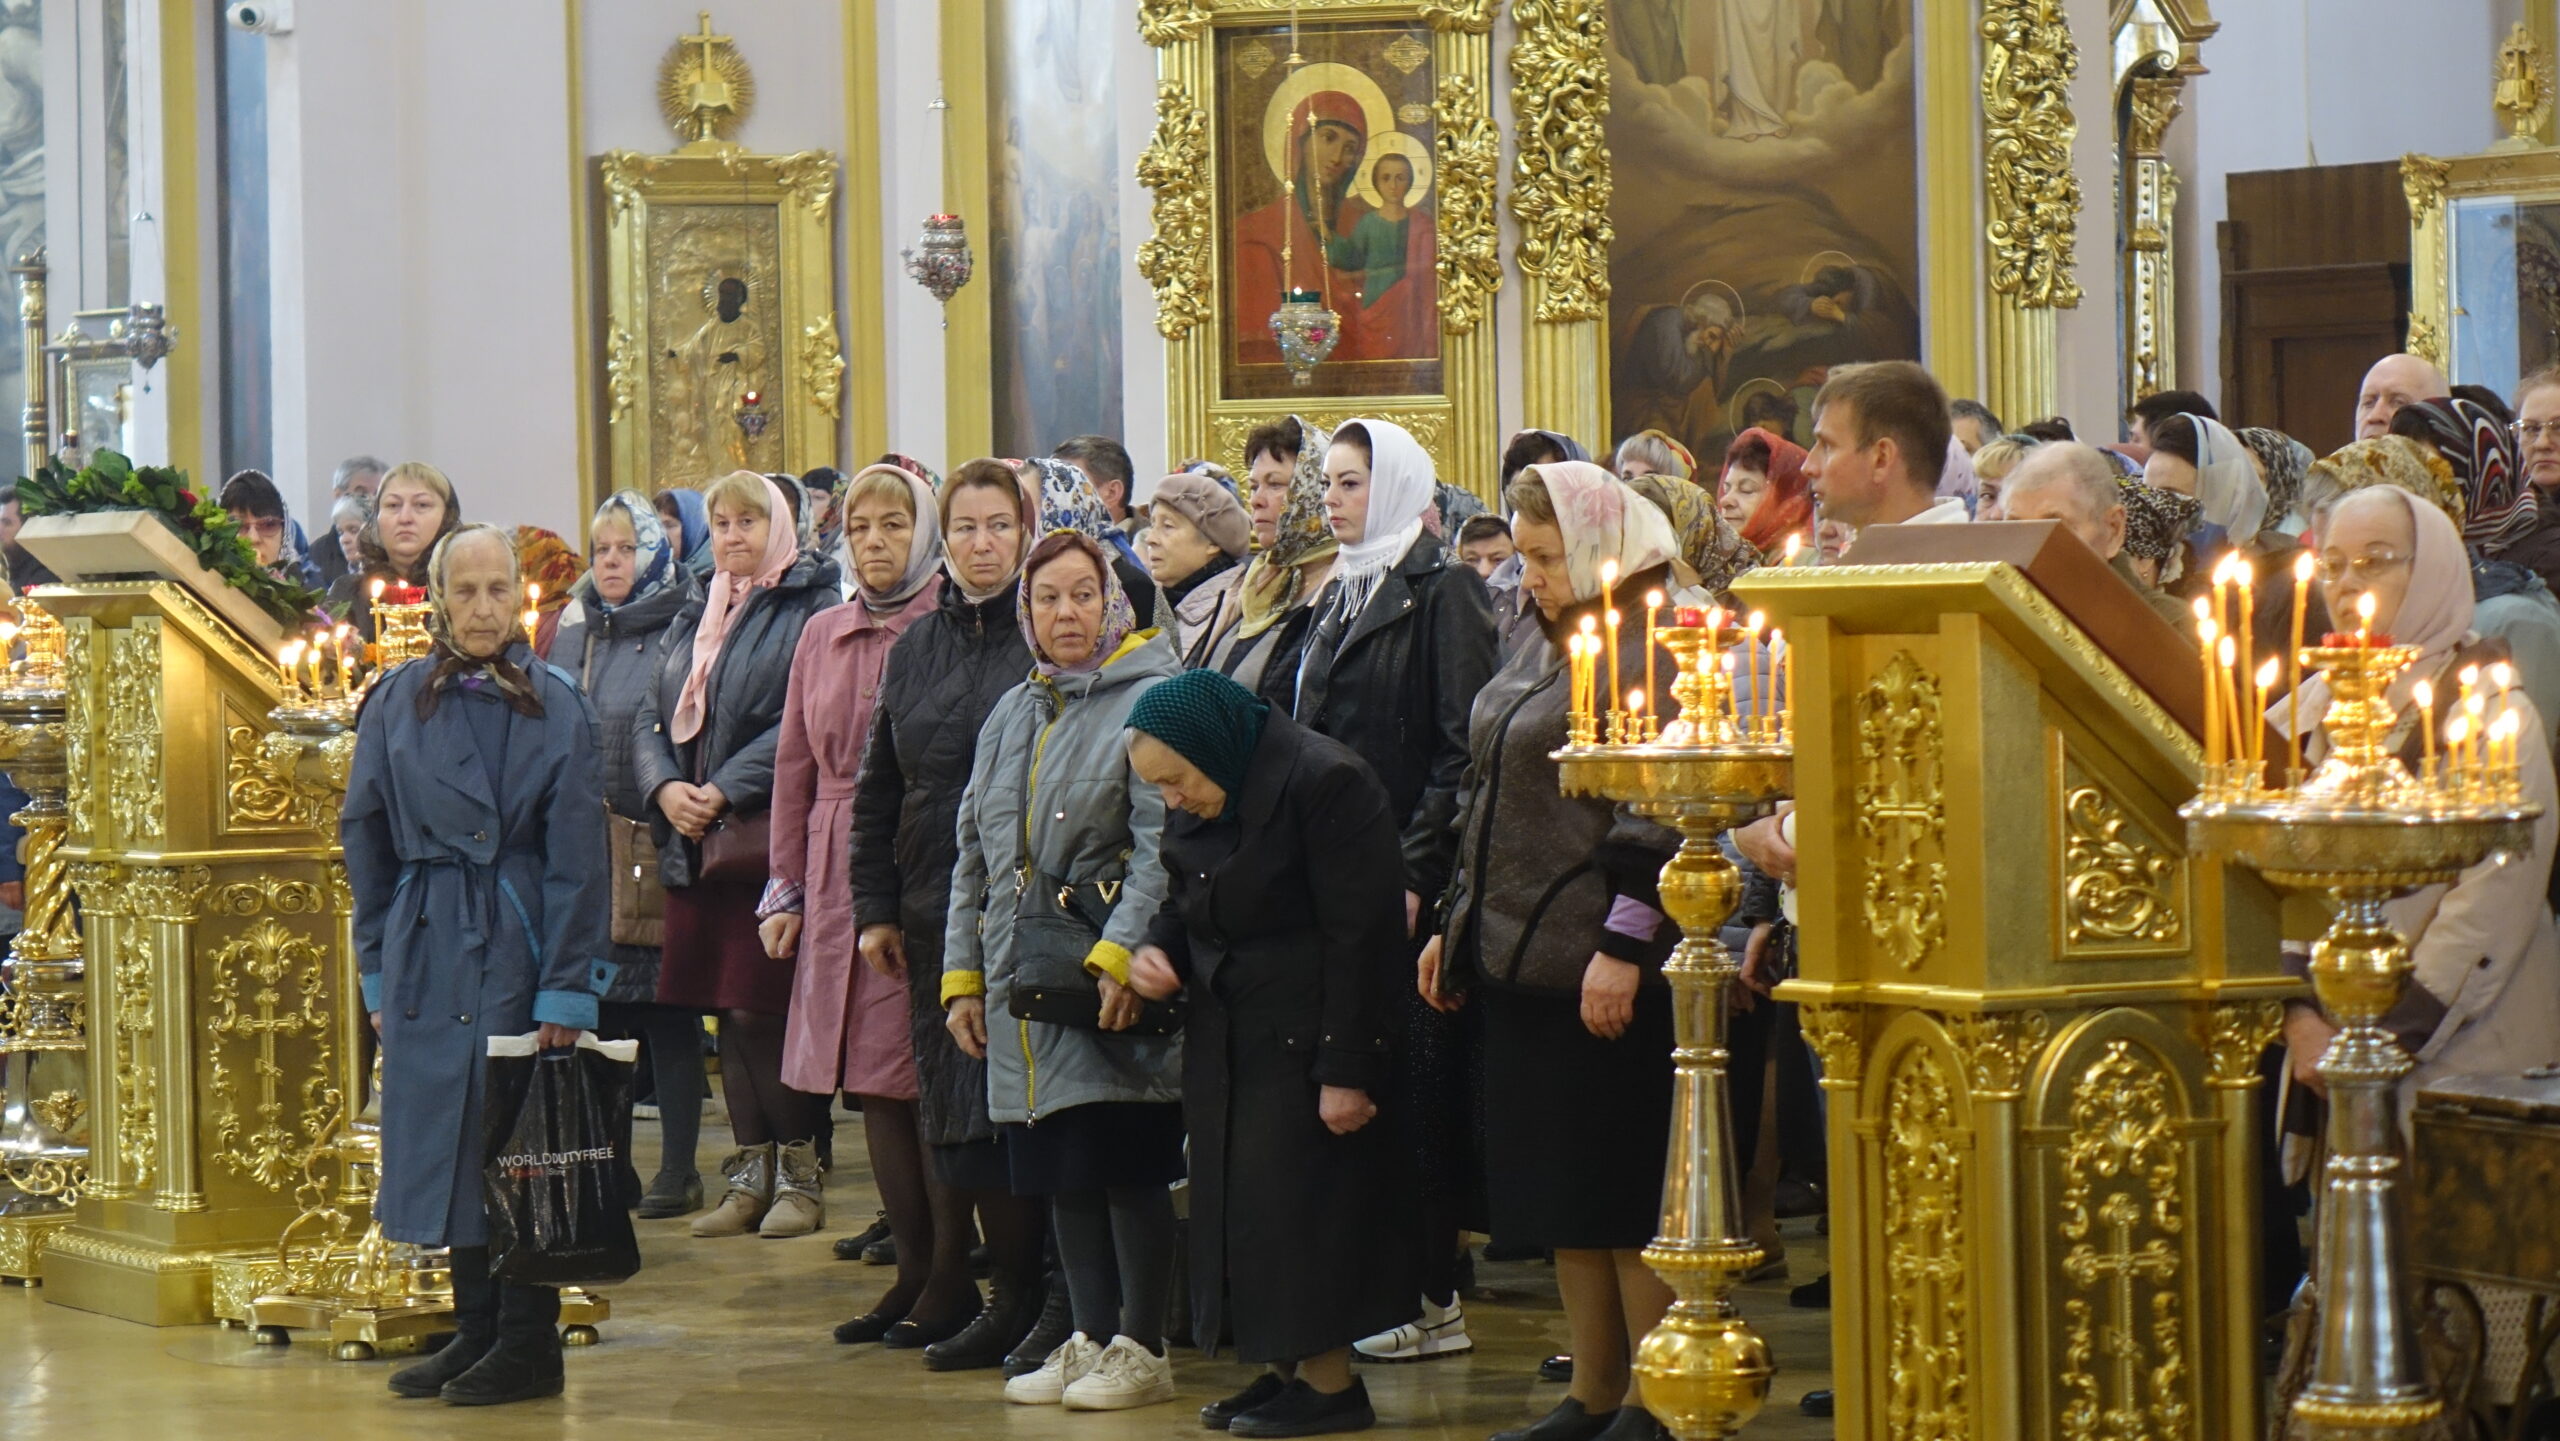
729, 1339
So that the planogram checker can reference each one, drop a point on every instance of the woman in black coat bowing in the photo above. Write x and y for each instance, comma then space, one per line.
1285, 926
475, 845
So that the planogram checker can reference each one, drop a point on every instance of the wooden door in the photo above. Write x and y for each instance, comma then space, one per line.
2315, 288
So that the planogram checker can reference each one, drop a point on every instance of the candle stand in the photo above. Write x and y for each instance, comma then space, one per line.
44, 1130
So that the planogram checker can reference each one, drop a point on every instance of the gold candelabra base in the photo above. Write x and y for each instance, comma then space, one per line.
1704, 1371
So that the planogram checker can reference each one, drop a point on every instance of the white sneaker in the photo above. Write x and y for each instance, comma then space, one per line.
1125, 1376
1442, 1331
1065, 1366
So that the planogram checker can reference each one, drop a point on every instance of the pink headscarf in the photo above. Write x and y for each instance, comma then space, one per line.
2435, 616
1602, 518
723, 605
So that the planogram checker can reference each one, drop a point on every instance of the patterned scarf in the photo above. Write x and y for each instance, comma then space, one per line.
1276, 577
1068, 501
654, 569
2155, 520
1119, 618
544, 559
1708, 545
2394, 460
2498, 506
1603, 518
2286, 462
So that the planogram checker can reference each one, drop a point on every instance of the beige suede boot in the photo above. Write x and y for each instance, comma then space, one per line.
799, 1192
750, 1173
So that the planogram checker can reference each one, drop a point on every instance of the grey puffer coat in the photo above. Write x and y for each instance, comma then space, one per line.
1057, 752
743, 723
614, 653
943, 679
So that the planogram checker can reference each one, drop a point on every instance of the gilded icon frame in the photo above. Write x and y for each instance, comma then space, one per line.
783, 236
1188, 259
2440, 295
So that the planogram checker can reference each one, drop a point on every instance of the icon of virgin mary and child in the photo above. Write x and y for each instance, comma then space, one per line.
1355, 233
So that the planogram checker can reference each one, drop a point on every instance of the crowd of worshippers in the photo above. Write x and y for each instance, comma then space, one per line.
1181, 891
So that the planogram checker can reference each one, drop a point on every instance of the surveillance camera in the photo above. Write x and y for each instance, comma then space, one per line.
261, 17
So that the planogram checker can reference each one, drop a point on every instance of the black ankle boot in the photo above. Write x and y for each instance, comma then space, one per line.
1011, 1311
475, 1327
1050, 1332
525, 1362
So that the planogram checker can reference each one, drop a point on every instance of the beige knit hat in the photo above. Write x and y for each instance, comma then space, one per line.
1210, 507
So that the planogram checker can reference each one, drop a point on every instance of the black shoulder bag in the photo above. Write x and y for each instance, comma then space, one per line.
1055, 926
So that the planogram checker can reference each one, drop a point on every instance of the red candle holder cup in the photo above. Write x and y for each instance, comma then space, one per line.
1690, 617
2356, 640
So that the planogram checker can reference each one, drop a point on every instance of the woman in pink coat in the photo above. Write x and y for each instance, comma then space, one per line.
848, 1025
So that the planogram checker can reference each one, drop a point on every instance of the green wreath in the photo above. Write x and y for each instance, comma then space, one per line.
112, 482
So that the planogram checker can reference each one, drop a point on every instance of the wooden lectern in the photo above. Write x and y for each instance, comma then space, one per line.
215, 915
2038, 1017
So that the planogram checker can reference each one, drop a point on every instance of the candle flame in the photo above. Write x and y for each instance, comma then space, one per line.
2506, 727
1794, 543
2502, 675
1715, 617
1608, 572
2364, 607
2230, 652
2207, 631
291, 654
1653, 600
377, 590
1759, 618
2473, 706
1589, 625
1635, 700
2424, 695
2303, 567
2458, 731
2267, 675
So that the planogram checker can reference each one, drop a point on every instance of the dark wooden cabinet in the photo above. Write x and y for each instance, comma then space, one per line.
2315, 288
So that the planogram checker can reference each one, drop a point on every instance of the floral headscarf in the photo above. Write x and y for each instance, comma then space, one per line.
1451, 508
546, 560
2286, 462
654, 569
2227, 485
2156, 521
1709, 545
1603, 518
1068, 501
1119, 618
2394, 460
2499, 507
1274, 579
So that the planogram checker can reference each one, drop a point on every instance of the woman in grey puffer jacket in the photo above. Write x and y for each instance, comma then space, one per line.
1056, 831
611, 638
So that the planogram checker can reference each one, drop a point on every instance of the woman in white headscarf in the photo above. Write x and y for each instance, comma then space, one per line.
1403, 640
2202, 459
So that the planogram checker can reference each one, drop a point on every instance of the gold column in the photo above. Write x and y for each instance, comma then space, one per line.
38, 421
2028, 61
2150, 264
968, 317
1560, 189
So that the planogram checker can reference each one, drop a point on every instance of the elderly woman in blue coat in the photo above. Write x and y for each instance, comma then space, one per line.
475, 844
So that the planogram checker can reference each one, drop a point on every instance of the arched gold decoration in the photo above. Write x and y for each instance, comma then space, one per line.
1175, 165
1560, 178
1470, 258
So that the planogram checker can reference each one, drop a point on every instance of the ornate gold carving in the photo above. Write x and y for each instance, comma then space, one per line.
1832, 1031
2123, 1197
2523, 94
1175, 166
80, 680
137, 1086
1469, 150
255, 791
704, 87
2426, 340
64, 1176
2120, 884
1927, 1306
2028, 60
136, 794
249, 898
1430, 428
102, 888
2157, 102
1999, 1048
341, 895
621, 373
269, 986
239, 1280
810, 176
1560, 178
106, 1250
2423, 179
1406, 54
167, 893
1460, 17
1902, 811
60, 1111
1166, 22
620, 172
822, 364
2236, 1034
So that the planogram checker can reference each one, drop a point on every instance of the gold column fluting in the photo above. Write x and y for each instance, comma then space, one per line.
37, 419
2150, 322
1704, 1371
44, 1150
1560, 192
2028, 61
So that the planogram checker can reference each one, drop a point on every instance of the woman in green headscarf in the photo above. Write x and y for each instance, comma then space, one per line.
1284, 928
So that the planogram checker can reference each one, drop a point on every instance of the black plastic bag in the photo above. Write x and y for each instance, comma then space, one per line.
553, 1129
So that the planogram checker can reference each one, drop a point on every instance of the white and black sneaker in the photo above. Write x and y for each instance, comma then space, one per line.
1441, 1331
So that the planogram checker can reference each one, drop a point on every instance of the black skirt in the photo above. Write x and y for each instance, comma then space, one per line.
1576, 1128
973, 1165
1097, 1146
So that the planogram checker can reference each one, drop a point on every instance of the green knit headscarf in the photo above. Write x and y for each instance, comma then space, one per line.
1209, 721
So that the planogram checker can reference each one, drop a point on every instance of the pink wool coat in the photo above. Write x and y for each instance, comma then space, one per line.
848, 1026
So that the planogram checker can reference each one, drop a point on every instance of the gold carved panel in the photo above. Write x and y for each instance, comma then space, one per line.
2124, 886
1902, 809
268, 1019
133, 960
1927, 1303
719, 344
79, 718
136, 795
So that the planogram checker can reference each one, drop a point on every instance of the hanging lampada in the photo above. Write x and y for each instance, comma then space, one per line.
1304, 327
940, 261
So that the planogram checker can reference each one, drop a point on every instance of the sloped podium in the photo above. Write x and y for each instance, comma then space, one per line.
222, 1025
2038, 1016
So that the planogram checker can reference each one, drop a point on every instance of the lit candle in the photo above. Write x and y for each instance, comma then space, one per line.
1590, 647
2503, 676
2502, 751
2364, 618
2230, 656
1787, 694
2206, 633
2257, 717
2474, 708
1732, 693
2303, 566
1751, 671
1635, 718
2244, 628
1652, 618
2423, 696
1795, 543
1609, 616
291, 659
343, 643
377, 592
2455, 734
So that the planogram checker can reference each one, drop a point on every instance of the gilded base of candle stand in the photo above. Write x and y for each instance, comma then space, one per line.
44, 1110
1704, 1371
2362, 831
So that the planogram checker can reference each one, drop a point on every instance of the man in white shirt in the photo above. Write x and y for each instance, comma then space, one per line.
1880, 437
